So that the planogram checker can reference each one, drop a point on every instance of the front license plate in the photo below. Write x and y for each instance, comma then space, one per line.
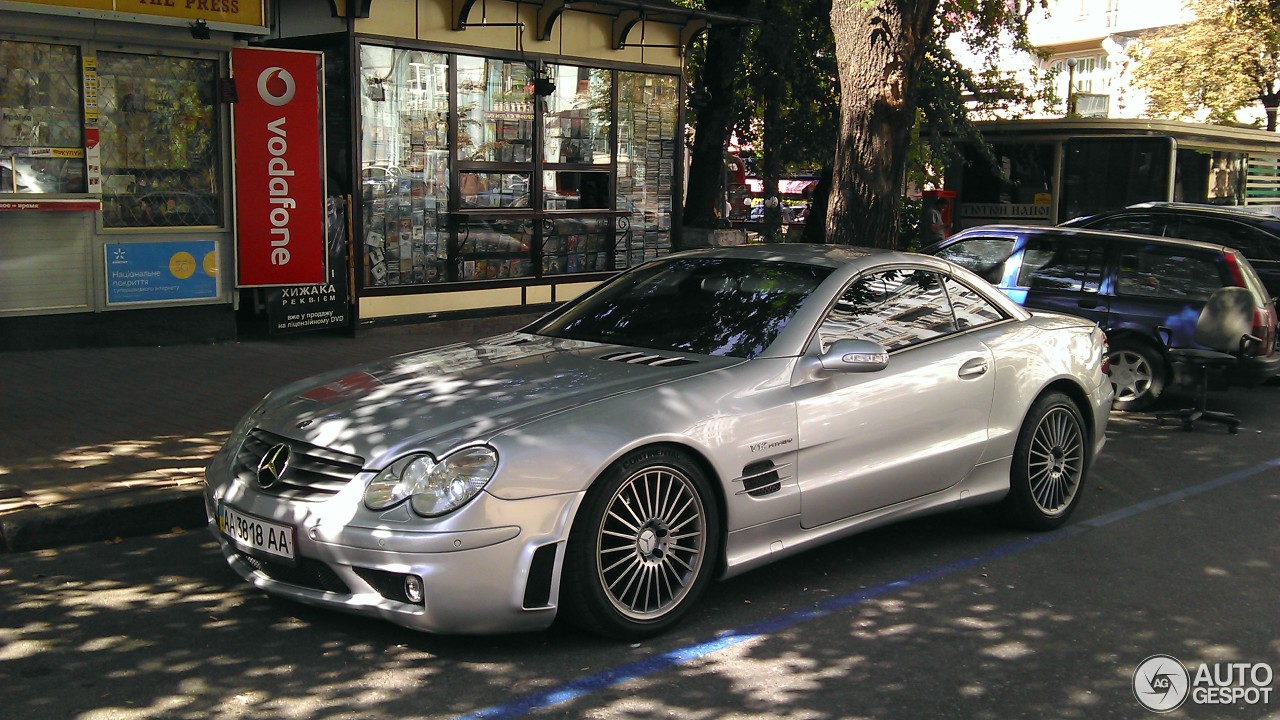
250, 532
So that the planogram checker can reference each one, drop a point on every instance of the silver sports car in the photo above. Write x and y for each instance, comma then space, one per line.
693, 418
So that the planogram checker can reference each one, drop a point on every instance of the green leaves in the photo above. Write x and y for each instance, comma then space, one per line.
1222, 62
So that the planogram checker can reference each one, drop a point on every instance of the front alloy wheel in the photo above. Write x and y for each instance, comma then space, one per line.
643, 546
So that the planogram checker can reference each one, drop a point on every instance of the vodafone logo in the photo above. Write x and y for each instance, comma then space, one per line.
276, 86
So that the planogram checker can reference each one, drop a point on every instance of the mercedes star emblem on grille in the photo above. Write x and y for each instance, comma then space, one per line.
273, 465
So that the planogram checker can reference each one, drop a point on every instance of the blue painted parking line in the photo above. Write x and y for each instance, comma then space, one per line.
631, 671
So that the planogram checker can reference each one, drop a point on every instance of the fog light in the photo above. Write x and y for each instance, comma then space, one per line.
413, 588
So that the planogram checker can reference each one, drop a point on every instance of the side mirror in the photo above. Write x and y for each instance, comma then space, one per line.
855, 356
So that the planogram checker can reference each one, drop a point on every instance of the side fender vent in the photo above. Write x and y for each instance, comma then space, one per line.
537, 589
761, 478
509, 340
639, 358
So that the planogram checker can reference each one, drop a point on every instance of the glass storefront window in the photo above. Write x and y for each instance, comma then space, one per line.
575, 190
41, 126
150, 178
500, 220
647, 112
494, 190
404, 108
495, 110
495, 248
576, 119
573, 245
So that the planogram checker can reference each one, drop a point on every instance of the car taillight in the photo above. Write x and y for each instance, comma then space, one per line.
1233, 266
1264, 318
1264, 327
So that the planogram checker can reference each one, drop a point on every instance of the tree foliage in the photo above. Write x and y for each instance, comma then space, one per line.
1225, 60
807, 100
784, 71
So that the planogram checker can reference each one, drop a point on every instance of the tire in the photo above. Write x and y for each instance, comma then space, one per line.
1049, 465
643, 546
1137, 375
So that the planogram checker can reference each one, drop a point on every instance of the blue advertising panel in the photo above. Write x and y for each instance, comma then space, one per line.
159, 271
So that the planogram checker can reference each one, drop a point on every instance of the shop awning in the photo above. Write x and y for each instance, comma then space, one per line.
627, 15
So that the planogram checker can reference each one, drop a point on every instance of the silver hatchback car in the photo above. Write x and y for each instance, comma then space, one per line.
691, 419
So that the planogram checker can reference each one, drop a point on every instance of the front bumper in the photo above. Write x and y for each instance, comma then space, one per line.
492, 566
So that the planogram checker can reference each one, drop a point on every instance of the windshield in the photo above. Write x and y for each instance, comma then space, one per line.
710, 306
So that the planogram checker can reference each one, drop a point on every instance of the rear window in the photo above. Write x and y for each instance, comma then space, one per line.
1253, 243
1172, 273
1136, 224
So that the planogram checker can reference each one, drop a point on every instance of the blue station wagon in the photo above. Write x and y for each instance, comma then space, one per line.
1145, 292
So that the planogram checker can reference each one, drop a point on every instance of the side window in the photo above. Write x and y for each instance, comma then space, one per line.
1137, 224
1250, 242
1171, 273
983, 255
896, 308
970, 308
1050, 263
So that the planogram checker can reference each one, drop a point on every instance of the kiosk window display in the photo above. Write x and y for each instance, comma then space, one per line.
405, 166
151, 178
647, 134
41, 110
472, 175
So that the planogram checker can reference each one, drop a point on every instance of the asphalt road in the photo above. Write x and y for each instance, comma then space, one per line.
1174, 551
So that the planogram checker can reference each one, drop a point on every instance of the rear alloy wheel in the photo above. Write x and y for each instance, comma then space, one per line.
1137, 375
643, 546
1049, 464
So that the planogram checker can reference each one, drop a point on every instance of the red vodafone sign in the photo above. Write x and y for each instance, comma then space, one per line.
279, 162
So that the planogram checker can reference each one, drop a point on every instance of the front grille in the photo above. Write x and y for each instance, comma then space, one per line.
308, 574
313, 472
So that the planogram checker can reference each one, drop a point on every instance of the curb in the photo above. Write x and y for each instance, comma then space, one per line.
143, 513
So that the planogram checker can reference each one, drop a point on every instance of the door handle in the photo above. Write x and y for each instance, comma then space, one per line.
977, 367
1088, 303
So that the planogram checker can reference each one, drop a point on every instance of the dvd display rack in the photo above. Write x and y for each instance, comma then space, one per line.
647, 112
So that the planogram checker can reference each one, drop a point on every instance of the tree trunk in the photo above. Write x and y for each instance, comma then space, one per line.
880, 47
1269, 104
815, 225
714, 120
771, 51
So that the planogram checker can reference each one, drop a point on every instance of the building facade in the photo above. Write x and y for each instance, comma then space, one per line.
501, 155
1088, 41
477, 157
115, 220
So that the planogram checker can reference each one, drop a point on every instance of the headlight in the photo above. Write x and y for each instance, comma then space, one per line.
434, 488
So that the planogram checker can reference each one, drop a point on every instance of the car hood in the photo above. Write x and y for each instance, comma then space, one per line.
440, 398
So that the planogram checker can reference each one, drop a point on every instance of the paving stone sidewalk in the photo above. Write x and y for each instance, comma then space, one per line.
101, 443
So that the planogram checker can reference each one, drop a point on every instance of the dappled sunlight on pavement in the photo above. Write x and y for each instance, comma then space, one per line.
104, 424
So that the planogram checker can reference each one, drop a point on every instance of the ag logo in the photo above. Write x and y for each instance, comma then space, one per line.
276, 86
1161, 683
